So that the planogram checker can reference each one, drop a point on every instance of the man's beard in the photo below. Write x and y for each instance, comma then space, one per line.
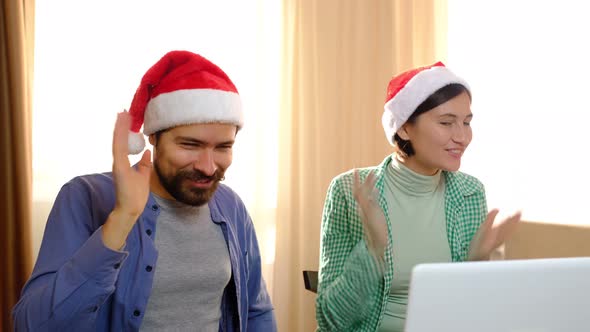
174, 185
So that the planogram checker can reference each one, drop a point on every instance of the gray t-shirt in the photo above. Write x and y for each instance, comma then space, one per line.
192, 271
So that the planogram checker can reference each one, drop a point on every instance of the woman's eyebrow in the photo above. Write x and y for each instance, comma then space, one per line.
454, 116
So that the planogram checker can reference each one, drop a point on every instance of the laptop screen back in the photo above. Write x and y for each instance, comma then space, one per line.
539, 295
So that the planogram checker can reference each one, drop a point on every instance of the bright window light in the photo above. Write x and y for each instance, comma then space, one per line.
527, 63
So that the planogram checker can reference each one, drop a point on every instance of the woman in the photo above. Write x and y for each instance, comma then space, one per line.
415, 207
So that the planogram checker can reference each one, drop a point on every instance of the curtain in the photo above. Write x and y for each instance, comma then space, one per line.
338, 57
16, 73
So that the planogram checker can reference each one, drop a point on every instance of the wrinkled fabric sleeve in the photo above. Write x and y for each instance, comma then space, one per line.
74, 273
474, 214
349, 276
261, 317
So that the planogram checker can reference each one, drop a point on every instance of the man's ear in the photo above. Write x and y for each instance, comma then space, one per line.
152, 139
403, 132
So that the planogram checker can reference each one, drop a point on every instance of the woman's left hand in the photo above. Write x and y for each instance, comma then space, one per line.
491, 235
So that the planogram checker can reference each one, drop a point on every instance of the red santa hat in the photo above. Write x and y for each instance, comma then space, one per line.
182, 88
411, 88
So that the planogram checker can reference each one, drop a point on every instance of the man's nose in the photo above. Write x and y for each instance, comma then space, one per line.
205, 163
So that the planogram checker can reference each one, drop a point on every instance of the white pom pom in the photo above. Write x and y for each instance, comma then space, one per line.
136, 143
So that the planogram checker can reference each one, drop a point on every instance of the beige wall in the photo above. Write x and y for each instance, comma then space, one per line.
546, 240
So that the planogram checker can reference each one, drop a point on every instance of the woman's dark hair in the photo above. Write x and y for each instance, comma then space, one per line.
439, 97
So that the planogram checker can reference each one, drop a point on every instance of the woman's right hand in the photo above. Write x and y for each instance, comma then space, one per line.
372, 217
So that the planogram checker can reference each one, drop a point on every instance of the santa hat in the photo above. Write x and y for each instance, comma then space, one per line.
409, 89
182, 88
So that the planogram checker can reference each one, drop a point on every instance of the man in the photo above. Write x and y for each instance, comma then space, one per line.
162, 247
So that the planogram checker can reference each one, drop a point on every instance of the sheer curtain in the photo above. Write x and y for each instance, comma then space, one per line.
338, 57
529, 76
16, 78
91, 57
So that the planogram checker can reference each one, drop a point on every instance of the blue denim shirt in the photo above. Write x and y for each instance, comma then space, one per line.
78, 284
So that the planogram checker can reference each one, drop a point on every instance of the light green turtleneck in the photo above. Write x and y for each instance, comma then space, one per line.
418, 227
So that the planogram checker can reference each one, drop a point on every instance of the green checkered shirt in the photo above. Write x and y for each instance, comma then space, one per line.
351, 288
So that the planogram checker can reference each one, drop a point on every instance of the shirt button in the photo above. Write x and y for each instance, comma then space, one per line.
148, 232
148, 268
155, 207
136, 313
116, 266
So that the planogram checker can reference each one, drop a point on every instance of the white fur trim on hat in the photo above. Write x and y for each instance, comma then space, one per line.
136, 142
399, 108
190, 106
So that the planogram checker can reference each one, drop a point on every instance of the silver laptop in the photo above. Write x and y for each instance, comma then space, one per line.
537, 295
